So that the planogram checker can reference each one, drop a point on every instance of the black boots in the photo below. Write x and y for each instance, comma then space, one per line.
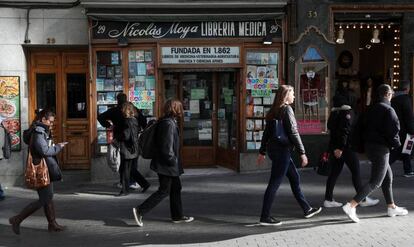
26, 212
53, 226
51, 218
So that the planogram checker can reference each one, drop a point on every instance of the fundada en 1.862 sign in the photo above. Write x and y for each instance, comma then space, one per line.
185, 30
200, 55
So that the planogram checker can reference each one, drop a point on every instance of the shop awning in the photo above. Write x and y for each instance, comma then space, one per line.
184, 10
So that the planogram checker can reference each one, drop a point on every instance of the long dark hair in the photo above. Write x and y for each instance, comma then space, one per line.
279, 102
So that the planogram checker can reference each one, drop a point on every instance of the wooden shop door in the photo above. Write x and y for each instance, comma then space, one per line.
58, 81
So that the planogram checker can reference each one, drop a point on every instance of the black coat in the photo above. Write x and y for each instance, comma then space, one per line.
41, 146
403, 108
167, 160
340, 123
129, 139
382, 125
116, 117
289, 124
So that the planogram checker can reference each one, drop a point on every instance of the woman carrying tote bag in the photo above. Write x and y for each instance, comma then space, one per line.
42, 147
280, 137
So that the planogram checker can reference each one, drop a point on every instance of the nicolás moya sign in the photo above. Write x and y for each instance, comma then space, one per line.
186, 30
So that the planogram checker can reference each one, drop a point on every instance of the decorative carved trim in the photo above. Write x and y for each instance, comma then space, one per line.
307, 31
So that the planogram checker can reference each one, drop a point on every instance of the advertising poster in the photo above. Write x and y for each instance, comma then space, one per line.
10, 108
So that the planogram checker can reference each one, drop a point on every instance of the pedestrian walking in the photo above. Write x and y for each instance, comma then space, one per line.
113, 118
403, 106
129, 149
280, 153
340, 124
42, 147
381, 128
167, 165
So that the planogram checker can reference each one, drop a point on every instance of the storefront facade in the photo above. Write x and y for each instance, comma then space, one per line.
218, 66
345, 42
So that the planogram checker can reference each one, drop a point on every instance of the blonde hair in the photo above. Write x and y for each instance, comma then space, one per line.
128, 110
173, 108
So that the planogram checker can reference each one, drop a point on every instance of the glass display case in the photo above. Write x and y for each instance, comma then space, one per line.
262, 81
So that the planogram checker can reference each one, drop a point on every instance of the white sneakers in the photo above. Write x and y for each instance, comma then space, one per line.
331, 204
397, 211
350, 212
369, 202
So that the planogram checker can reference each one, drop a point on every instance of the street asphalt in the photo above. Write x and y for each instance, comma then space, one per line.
226, 208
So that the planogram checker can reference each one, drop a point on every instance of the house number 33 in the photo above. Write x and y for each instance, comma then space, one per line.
312, 14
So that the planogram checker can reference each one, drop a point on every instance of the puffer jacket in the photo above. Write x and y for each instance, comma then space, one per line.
41, 146
167, 161
340, 123
382, 125
289, 124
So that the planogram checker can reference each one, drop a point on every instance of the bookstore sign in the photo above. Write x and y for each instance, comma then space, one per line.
200, 55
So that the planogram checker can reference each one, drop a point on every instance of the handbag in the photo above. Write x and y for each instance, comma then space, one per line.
113, 156
323, 168
36, 176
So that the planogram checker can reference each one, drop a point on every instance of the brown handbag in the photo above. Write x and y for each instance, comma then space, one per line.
36, 176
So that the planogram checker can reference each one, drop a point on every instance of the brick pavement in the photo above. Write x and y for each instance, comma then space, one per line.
226, 208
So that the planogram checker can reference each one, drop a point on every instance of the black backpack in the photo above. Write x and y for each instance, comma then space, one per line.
147, 140
27, 134
7, 143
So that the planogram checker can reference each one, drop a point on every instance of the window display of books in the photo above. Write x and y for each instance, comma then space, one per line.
261, 84
109, 82
141, 80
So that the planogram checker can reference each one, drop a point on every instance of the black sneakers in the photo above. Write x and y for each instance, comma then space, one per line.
184, 219
312, 212
270, 222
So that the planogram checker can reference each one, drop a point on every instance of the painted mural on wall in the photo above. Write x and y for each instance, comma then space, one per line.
10, 108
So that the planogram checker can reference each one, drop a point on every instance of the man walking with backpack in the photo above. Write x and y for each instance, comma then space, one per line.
381, 128
113, 118
402, 105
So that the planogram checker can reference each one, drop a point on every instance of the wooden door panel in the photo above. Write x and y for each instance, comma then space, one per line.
45, 61
196, 156
76, 153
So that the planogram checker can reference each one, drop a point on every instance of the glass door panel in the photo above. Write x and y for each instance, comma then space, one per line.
227, 111
76, 95
198, 109
46, 91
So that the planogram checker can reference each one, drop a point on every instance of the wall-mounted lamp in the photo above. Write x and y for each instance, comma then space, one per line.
122, 41
268, 40
340, 39
375, 35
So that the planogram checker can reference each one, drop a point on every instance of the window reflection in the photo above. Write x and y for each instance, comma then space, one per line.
46, 91
76, 95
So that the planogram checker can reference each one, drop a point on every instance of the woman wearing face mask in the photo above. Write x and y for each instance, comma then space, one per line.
41, 146
280, 153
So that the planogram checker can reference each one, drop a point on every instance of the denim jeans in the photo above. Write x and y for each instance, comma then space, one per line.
282, 165
381, 173
351, 160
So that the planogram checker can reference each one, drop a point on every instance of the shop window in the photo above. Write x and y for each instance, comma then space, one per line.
312, 92
109, 83
262, 80
141, 77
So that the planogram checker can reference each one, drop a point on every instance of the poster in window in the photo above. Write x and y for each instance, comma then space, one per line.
264, 59
140, 82
258, 111
10, 108
249, 135
150, 83
251, 145
118, 71
150, 68
119, 84
250, 124
131, 56
132, 69
110, 72
101, 137
102, 108
271, 72
99, 84
115, 58
101, 71
251, 72
261, 72
141, 69
111, 98
272, 58
258, 124
109, 85
140, 57
257, 101
148, 56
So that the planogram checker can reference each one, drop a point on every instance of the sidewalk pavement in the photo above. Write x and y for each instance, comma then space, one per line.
226, 209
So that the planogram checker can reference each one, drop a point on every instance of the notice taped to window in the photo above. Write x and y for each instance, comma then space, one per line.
200, 55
